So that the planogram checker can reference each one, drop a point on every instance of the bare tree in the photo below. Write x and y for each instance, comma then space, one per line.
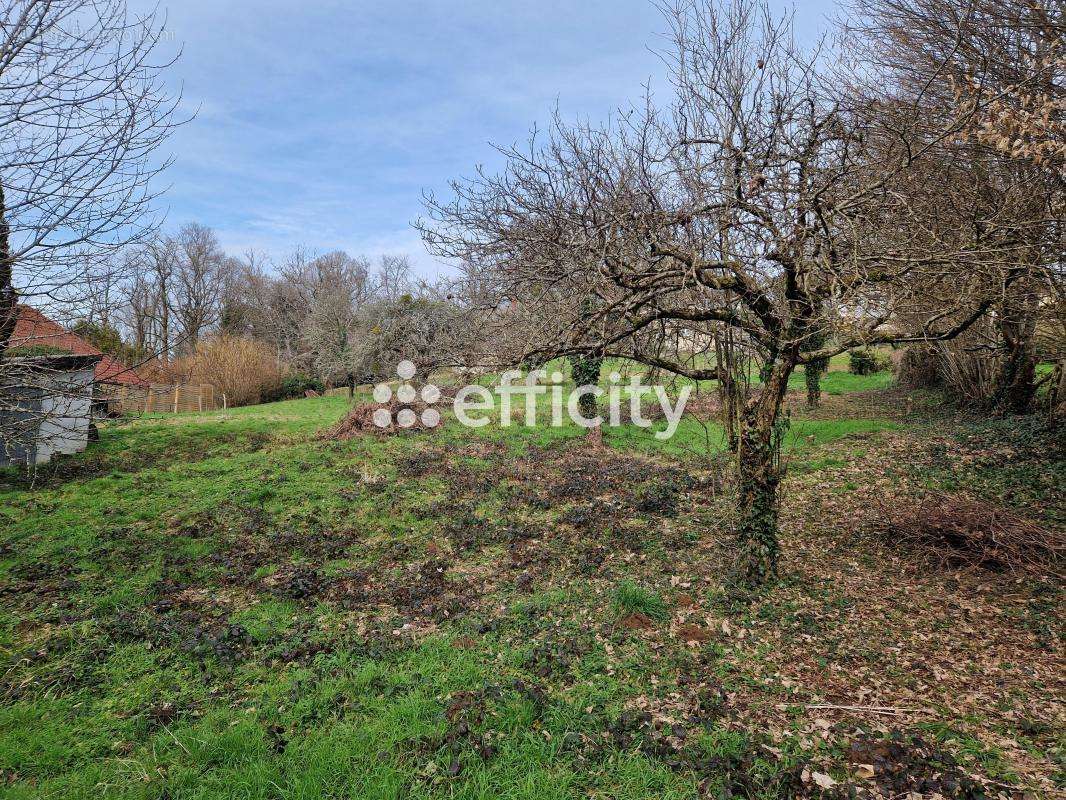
242, 294
1006, 62
82, 110
200, 275
337, 286
393, 277
422, 326
266, 304
150, 295
753, 202
136, 314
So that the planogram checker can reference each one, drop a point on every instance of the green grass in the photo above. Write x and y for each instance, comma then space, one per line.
357, 722
840, 382
173, 621
632, 598
694, 436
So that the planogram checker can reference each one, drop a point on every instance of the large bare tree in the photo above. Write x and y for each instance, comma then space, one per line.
753, 202
1007, 63
82, 112
201, 274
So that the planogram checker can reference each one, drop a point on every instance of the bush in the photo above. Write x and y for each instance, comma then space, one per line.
967, 375
919, 368
245, 370
295, 385
866, 362
658, 498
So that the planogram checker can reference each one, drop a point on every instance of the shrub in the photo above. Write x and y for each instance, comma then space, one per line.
919, 368
297, 384
294, 385
866, 362
243, 369
966, 374
156, 370
658, 497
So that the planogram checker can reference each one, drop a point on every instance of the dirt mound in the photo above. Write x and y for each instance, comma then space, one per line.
384, 418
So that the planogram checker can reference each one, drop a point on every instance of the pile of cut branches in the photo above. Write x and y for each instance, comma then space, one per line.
957, 530
367, 418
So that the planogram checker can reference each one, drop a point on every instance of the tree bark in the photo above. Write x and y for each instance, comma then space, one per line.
164, 321
759, 473
8, 295
1015, 384
728, 390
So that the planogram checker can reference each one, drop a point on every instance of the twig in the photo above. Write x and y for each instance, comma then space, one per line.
176, 740
873, 709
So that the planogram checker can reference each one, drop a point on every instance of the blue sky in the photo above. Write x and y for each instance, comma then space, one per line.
320, 123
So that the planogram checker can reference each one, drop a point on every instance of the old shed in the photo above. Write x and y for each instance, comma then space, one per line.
45, 407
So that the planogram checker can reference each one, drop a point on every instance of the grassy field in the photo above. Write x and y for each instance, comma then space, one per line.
227, 605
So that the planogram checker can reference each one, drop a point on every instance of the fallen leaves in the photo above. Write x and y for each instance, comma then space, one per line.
822, 780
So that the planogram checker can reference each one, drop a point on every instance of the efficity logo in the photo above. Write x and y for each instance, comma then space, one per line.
406, 393
476, 406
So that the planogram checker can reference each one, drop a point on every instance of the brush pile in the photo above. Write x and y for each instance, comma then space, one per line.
383, 418
961, 531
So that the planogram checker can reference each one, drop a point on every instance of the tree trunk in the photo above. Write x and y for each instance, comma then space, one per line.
1015, 383
728, 390
759, 472
585, 371
8, 295
812, 374
1057, 400
164, 324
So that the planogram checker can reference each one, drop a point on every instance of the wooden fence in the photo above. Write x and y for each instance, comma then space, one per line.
160, 398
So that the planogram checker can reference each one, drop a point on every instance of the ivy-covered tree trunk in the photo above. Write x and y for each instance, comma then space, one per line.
813, 373
585, 370
814, 370
759, 472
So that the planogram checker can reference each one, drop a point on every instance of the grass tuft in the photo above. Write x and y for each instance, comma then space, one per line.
632, 598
